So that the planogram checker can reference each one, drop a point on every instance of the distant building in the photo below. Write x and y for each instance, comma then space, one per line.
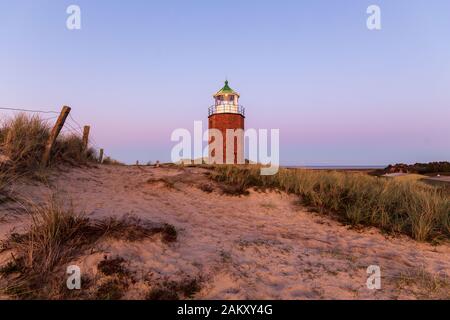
226, 113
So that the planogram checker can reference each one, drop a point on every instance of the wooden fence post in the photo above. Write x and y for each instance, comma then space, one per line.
86, 130
100, 158
54, 134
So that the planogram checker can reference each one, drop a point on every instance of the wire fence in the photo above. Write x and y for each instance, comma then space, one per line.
71, 126
28, 110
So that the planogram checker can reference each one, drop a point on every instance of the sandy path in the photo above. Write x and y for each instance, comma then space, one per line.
261, 246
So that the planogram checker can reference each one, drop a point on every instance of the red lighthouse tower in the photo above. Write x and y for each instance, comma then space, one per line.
227, 116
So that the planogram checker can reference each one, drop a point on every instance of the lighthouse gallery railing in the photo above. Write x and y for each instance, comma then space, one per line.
226, 108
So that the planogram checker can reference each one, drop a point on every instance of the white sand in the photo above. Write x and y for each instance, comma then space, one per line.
261, 246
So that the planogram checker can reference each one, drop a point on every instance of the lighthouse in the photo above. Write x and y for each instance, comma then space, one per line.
227, 117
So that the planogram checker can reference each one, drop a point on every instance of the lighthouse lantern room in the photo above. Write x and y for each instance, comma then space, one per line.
226, 101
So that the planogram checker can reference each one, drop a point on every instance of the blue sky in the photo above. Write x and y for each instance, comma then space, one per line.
339, 93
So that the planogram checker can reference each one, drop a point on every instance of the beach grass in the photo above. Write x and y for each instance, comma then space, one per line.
57, 235
22, 144
406, 207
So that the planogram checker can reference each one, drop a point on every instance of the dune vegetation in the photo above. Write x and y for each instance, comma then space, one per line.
22, 144
407, 207
57, 235
420, 168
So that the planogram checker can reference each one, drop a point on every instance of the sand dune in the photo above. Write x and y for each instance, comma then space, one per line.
261, 246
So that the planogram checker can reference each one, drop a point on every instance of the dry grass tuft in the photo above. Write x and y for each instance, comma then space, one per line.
235, 190
6, 180
424, 284
113, 162
409, 207
22, 143
206, 187
116, 283
114, 266
134, 229
173, 290
57, 236
69, 149
162, 293
112, 289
